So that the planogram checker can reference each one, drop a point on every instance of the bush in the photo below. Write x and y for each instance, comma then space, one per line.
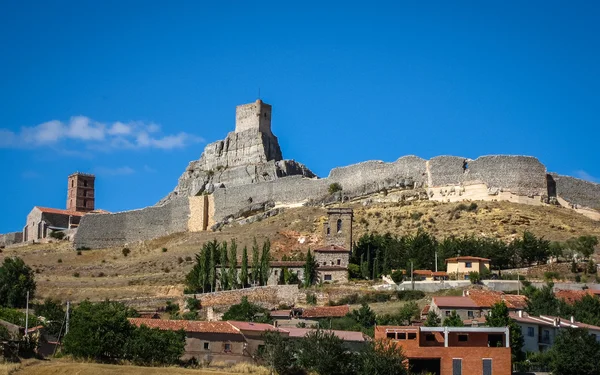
410, 295
311, 299
474, 277
164, 249
179, 260
57, 235
354, 271
188, 258
125, 251
397, 276
334, 188
76, 274
551, 275
416, 215
59, 260
78, 252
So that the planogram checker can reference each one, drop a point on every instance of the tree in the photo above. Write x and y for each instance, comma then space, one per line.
324, 353
223, 274
433, 320
587, 310
474, 277
16, 279
453, 320
265, 258
310, 270
575, 351
364, 316
280, 354
591, 266
54, 315
542, 301
254, 278
244, 270
408, 312
247, 312
4, 334
382, 358
233, 276
212, 271
586, 244
498, 317
98, 330
152, 346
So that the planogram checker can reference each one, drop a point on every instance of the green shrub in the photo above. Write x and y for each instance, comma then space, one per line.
334, 188
474, 277
125, 251
59, 260
57, 235
416, 215
311, 299
397, 276
551, 275
410, 295
76, 274
164, 249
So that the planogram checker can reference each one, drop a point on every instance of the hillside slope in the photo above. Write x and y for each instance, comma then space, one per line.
149, 272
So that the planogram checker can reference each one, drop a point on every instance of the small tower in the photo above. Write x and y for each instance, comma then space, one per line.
255, 115
338, 228
80, 192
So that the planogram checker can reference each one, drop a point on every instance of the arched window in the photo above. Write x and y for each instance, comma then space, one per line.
328, 230
339, 226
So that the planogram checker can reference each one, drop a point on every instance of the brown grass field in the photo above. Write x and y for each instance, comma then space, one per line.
149, 276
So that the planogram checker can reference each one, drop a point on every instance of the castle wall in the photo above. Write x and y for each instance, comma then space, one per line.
109, 230
576, 191
11, 238
202, 212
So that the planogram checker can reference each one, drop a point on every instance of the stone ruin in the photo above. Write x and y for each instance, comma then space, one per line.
245, 175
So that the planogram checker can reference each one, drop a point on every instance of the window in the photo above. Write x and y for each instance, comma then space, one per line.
72, 183
530, 331
456, 366
468, 264
339, 226
487, 366
332, 262
85, 193
412, 335
470, 314
227, 347
447, 312
85, 183
495, 340
339, 262
206, 346
402, 336
391, 335
327, 277
430, 337
463, 338
328, 230
276, 272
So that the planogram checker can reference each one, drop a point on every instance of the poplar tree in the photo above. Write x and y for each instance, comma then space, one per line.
201, 260
310, 270
244, 270
212, 272
224, 280
233, 277
255, 265
264, 262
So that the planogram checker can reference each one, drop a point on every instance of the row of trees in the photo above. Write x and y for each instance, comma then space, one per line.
16, 279
375, 254
543, 302
217, 262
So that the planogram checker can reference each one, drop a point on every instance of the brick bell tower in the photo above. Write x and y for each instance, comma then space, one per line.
80, 192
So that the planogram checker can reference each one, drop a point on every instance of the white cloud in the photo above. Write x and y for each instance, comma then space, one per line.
586, 176
96, 135
120, 171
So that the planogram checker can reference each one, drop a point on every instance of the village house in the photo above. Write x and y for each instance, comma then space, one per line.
308, 317
452, 350
539, 332
475, 304
353, 341
460, 267
427, 275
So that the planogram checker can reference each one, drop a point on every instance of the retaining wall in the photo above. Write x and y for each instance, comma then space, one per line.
267, 296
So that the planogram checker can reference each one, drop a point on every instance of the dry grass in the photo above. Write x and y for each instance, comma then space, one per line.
58, 367
9, 368
141, 277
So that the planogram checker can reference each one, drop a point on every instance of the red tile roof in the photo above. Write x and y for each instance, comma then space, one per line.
422, 272
332, 249
251, 326
287, 263
344, 335
571, 296
454, 302
487, 298
456, 259
60, 212
439, 273
326, 312
425, 310
186, 325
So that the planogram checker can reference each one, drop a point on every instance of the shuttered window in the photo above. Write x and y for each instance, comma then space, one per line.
487, 367
456, 366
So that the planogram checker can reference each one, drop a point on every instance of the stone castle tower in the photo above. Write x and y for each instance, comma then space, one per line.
338, 228
255, 115
80, 193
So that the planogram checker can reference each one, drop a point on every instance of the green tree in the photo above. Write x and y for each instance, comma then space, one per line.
498, 317
247, 312
453, 320
4, 334
265, 259
382, 358
324, 353
16, 279
433, 320
17, 317
255, 277
409, 312
575, 351
591, 266
587, 310
152, 346
212, 266
280, 354
364, 316
53, 313
474, 277
224, 273
98, 331
542, 301
233, 274
586, 245
310, 270
244, 270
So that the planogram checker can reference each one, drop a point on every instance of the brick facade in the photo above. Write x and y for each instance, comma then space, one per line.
80, 192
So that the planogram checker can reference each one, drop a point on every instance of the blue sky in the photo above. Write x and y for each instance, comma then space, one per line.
133, 90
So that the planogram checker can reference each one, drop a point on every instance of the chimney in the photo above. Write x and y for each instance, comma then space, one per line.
520, 313
555, 321
572, 319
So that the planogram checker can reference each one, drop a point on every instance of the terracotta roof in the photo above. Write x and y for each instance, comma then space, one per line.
474, 321
487, 298
422, 272
454, 302
326, 312
571, 296
425, 310
456, 259
332, 249
186, 325
287, 263
344, 335
60, 212
439, 273
251, 326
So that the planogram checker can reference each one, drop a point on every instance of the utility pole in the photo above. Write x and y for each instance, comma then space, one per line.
27, 314
436, 261
412, 280
518, 284
67, 318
